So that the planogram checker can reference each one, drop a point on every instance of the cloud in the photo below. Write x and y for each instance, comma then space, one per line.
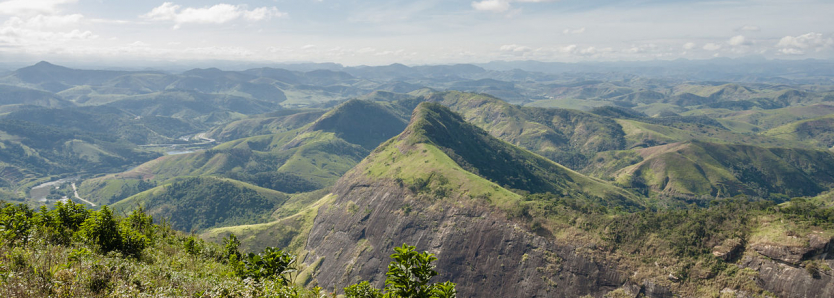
689, 45
501, 5
29, 7
514, 49
739, 40
750, 28
802, 44
712, 47
217, 14
574, 31
492, 5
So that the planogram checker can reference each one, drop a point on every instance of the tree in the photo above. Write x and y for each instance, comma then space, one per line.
408, 276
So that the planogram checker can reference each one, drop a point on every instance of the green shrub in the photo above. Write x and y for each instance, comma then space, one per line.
407, 277
107, 233
15, 223
272, 263
362, 290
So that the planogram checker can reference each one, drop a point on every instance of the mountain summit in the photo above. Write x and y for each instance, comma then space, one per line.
449, 187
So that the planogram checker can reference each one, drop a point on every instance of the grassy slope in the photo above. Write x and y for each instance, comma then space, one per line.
439, 145
766, 119
816, 131
206, 202
642, 134
568, 137
698, 168
314, 153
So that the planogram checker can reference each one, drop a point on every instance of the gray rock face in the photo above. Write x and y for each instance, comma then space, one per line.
790, 281
783, 273
486, 255
793, 255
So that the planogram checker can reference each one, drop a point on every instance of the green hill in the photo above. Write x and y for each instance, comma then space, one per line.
707, 170
360, 122
767, 119
817, 131
569, 137
191, 204
112, 121
13, 95
48, 150
298, 160
271, 123
440, 147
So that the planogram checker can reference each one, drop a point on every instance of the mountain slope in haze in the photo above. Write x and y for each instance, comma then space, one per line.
190, 104
699, 169
54, 78
13, 95
270, 123
48, 150
422, 188
106, 120
299, 160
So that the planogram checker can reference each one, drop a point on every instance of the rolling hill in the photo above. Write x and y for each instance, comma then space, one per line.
195, 204
298, 160
700, 170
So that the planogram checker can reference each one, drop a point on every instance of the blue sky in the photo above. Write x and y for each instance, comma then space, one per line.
413, 32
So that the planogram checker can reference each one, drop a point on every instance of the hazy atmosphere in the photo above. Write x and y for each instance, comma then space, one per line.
412, 32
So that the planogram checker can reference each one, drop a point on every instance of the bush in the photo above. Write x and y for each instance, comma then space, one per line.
272, 263
15, 223
407, 277
104, 231
362, 290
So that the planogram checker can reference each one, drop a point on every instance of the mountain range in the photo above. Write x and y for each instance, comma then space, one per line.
556, 182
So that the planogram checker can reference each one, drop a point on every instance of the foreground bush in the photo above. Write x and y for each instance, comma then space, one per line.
408, 277
71, 251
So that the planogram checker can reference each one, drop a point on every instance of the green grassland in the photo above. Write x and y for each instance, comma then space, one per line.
698, 169
767, 119
816, 131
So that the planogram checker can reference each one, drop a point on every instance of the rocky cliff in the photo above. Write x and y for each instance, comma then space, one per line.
486, 255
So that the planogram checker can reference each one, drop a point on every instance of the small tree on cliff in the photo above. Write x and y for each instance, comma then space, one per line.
408, 277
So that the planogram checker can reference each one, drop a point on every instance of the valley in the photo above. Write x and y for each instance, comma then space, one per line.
523, 183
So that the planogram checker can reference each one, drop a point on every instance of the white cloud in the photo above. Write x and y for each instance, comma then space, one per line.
217, 14
501, 5
29, 7
802, 44
574, 31
53, 21
739, 40
515, 49
492, 5
712, 47
689, 46
749, 28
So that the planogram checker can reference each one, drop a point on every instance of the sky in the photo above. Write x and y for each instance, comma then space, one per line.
380, 32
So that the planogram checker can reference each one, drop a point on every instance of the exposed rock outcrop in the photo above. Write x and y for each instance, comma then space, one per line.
480, 250
794, 271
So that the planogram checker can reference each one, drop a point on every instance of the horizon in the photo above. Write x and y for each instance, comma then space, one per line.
428, 32
232, 65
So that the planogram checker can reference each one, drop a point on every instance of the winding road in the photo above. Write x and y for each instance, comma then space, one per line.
74, 189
